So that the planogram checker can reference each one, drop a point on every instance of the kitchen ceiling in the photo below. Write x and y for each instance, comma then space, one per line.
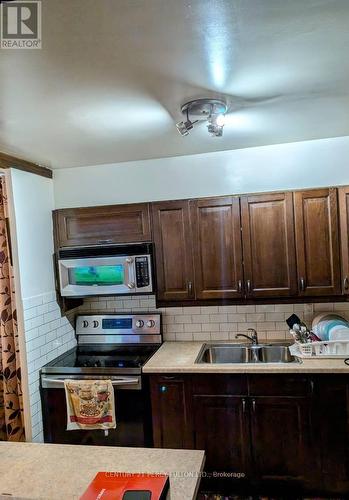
108, 84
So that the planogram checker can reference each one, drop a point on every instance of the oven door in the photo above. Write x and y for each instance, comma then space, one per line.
97, 276
132, 410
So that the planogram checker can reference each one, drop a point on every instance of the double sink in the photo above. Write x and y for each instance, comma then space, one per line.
241, 353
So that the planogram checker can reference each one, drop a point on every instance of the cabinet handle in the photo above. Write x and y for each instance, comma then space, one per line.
302, 284
254, 405
104, 242
248, 286
244, 406
190, 288
346, 283
312, 387
239, 286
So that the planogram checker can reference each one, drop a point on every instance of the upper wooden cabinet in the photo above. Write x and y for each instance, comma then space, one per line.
102, 225
173, 250
217, 248
343, 194
268, 245
317, 245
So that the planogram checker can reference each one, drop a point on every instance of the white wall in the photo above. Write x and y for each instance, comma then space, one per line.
33, 203
43, 332
286, 166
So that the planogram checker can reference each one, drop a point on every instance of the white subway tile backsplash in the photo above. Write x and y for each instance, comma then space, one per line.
237, 318
265, 326
242, 327
246, 309
276, 316
215, 322
175, 328
265, 308
192, 327
47, 335
228, 327
284, 308
219, 318
208, 309
341, 306
183, 318
227, 309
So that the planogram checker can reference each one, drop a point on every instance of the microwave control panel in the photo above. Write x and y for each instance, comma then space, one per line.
142, 272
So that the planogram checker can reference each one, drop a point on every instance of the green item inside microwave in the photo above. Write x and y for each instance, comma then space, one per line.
97, 275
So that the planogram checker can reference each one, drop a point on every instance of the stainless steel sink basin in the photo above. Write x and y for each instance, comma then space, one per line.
237, 353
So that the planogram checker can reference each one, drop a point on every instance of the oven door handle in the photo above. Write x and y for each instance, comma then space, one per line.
48, 383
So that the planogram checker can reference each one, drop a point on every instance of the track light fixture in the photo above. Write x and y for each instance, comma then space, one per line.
185, 127
210, 110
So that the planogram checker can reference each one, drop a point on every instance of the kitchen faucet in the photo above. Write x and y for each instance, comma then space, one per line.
253, 337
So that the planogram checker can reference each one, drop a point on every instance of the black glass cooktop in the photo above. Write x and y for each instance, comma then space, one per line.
120, 358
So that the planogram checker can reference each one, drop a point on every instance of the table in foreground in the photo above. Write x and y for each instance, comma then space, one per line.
54, 471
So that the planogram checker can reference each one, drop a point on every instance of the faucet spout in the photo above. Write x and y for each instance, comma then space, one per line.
253, 337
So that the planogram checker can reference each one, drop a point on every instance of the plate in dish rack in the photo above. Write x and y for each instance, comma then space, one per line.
323, 324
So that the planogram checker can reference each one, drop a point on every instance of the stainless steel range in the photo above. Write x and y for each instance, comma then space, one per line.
111, 347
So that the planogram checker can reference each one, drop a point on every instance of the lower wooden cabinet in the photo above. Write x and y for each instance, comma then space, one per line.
281, 437
221, 428
266, 431
331, 420
170, 412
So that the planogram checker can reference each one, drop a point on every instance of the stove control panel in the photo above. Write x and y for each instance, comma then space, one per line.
119, 328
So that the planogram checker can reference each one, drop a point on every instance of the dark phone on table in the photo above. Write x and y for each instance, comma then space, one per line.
137, 495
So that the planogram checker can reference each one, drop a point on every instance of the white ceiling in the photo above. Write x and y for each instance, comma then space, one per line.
108, 84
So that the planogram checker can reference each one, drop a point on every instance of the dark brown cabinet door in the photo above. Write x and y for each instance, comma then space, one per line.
280, 434
173, 250
169, 412
317, 245
102, 225
268, 245
331, 420
217, 248
343, 194
221, 429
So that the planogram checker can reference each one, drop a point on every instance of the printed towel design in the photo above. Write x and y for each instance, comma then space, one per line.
90, 404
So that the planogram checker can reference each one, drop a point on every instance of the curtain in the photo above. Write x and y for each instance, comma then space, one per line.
11, 402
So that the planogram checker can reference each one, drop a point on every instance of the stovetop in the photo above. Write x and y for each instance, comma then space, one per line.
110, 344
102, 359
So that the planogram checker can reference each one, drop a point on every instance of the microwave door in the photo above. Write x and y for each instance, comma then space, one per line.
96, 276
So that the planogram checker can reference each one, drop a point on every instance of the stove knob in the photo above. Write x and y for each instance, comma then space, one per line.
139, 323
85, 324
150, 323
95, 324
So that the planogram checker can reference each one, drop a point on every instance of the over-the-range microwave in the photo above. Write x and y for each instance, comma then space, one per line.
105, 270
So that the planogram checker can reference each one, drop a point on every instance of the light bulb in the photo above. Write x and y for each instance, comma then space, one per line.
220, 120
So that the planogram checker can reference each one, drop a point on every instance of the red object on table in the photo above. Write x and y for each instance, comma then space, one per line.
114, 485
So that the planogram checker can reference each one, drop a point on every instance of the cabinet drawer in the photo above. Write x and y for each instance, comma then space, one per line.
279, 385
219, 384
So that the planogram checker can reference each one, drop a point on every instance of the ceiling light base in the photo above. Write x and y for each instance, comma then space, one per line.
203, 108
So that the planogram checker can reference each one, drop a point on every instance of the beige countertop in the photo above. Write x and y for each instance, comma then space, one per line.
179, 357
55, 471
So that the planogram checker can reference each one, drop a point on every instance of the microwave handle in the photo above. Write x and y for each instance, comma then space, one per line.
130, 273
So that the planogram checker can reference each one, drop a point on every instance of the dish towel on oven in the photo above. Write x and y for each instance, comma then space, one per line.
90, 404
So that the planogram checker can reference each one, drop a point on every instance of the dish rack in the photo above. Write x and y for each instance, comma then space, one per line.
324, 349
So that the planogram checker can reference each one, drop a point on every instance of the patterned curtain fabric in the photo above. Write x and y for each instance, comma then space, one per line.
11, 403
